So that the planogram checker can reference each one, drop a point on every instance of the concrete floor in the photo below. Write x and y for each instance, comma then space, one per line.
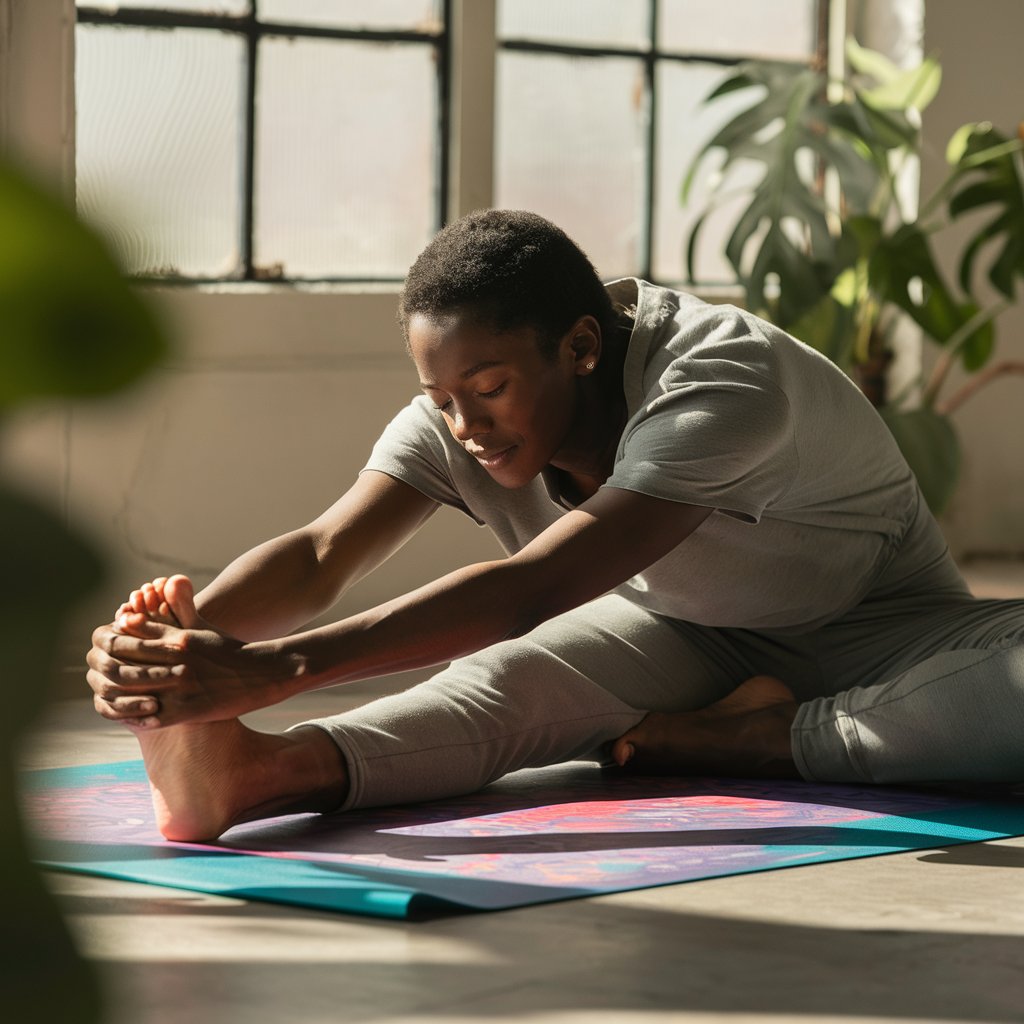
912, 937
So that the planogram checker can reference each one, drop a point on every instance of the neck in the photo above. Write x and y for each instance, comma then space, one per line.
588, 453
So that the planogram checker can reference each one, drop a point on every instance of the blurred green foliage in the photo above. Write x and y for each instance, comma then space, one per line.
70, 326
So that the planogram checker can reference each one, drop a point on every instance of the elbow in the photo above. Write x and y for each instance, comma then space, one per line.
527, 617
520, 628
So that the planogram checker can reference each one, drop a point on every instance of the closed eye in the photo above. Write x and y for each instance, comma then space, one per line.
482, 394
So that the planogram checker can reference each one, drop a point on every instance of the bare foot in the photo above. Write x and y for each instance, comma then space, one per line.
205, 778
167, 600
746, 734
208, 776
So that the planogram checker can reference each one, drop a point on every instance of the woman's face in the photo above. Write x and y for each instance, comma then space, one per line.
509, 406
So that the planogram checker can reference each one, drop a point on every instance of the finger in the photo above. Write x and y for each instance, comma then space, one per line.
128, 673
135, 710
107, 688
158, 585
163, 648
100, 637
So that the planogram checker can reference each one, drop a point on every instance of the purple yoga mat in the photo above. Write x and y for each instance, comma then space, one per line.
534, 837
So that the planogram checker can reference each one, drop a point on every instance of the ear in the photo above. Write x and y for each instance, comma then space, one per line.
584, 342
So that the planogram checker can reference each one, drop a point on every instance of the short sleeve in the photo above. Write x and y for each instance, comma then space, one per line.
417, 449
726, 443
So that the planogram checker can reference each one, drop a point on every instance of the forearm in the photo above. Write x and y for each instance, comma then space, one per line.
462, 612
269, 591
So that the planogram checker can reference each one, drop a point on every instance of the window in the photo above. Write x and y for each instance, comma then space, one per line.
599, 114
298, 140
311, 140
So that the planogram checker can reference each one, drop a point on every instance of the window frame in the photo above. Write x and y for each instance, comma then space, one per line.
652, 56
253, 30
471, 51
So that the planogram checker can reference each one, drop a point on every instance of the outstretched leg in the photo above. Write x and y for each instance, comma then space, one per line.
209, 776
566, 690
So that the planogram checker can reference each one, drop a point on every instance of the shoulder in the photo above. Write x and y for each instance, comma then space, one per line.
680, 339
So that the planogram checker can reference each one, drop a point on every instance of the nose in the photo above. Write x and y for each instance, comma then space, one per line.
467, 422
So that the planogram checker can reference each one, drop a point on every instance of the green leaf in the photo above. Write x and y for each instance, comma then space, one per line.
734, 83
690, 260
899, 260
866, 231
787, 119
930, 446
897, 88
876, 131
870, 62
71, 324
957, 145
913, 89
989, 169
830, 327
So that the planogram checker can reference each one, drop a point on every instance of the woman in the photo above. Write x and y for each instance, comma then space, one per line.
813, 625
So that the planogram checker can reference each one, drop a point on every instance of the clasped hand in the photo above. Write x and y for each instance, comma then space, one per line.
147, 670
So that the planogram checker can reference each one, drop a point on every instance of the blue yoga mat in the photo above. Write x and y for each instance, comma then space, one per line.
534, 837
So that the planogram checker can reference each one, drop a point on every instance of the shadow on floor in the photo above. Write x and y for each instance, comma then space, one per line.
590, 955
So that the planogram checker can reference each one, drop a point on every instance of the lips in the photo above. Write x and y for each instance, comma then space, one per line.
494, 459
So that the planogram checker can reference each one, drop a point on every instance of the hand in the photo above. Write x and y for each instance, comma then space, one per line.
164, 675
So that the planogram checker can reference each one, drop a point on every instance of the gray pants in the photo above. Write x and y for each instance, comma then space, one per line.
906, 687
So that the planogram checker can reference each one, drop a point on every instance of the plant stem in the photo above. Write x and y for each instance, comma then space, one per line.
979, 381
955, 343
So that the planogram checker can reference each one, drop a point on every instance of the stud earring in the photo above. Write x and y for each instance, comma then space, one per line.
591, 364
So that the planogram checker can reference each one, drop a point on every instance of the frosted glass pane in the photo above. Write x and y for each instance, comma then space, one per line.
770, 28
590, 22
345, 156
419, 15
684, 126
192, 6
159, 147
570, 138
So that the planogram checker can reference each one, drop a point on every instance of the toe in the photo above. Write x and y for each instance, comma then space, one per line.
624, 748
150, 598
180, 595
623, 752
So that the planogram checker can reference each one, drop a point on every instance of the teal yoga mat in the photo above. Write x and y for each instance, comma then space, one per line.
534, 837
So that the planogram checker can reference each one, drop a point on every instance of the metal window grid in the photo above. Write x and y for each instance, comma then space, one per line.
252, 29
651, 56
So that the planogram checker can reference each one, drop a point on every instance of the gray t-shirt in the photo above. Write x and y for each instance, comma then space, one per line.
814, 504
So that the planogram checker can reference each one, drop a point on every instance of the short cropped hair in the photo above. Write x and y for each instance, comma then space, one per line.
507, 269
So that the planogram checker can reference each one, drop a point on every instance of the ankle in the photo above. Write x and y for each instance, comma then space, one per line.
313, 767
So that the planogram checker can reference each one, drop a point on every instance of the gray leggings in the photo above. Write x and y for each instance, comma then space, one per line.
904, 689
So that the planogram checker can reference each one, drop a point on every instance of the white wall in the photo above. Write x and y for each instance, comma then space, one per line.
979, 47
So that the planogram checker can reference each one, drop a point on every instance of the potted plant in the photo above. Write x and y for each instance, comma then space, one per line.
827, 249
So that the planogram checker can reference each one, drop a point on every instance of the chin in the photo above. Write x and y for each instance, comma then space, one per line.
512, 478
513, 481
